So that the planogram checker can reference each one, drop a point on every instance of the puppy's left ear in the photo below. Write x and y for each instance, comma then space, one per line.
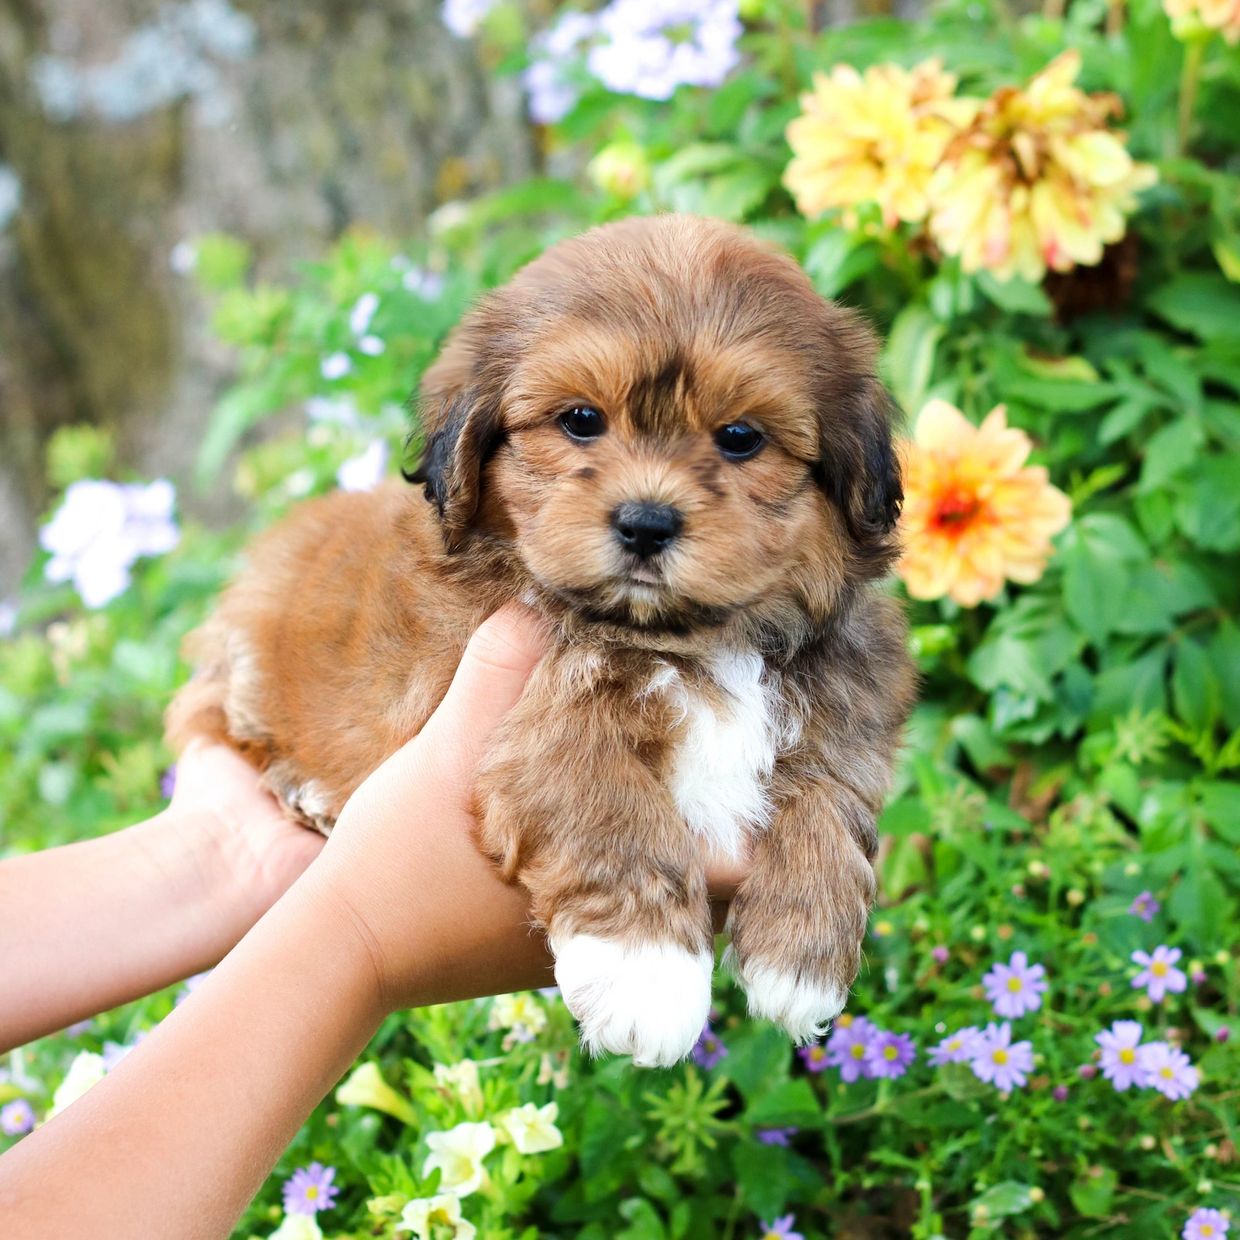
860, 471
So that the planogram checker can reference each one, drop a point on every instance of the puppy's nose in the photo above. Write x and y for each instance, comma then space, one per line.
645, 529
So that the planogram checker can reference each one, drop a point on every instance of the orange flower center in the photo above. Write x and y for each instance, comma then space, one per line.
954, 510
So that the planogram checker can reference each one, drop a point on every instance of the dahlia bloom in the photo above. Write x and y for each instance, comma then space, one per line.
974, 513
1036, 180
1188, 17
873, 138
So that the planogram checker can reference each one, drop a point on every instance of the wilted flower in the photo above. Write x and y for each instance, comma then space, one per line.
309, 1189
955, 1048
87, 1069
532, 1128
889, 1054
781, 1229
1206, 1224
974, 513
875, 137
462, 1080
1120, 1046
709, 1049
1145, 906
101, 528
16, 1118
426, 1213
1189, 18
1167, 1070
848, 1046
458, 1154
1016, 987
1036, 180
650, 47
1159, 974
999, 1061
365, 471
366, 1087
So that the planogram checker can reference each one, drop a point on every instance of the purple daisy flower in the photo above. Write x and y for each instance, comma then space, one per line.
776, 1136
1120, 1060
709, 1049
16, 1118
889, 1054
781, 1229
1159, 974
955, 1048
848, 1045
1145, 906
814, 1057
309, 1190
999, 1061
1206, 1224
1167, 1070
1016, 987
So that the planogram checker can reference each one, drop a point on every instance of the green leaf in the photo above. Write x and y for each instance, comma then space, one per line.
1220, 806
1093, 1191
1097, 554
1004, 1199
1203, 305
758, 1059
1169, 450
909, 357
838, 258
1016, 296
793, 1103
762, 1177
1194, 689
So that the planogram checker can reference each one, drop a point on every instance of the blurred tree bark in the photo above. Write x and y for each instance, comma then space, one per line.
290, 121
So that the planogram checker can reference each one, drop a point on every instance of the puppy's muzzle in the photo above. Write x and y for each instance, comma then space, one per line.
646, 529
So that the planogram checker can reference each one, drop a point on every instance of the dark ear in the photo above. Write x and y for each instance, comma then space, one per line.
860, 471
466, 431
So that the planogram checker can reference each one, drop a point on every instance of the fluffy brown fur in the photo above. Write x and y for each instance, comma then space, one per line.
743, 690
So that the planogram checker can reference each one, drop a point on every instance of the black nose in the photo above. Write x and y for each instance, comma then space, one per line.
646, 529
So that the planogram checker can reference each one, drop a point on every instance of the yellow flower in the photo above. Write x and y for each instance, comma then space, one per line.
1191, 17
532, 1129
85, 1071
1036, 180
367, 1088
444, 1210
458, 1153
462, 1080
974, 513
522, 1013
873, 138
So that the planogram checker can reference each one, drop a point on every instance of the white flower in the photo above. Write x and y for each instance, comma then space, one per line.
101, 528
335, 411
365, 471
363, 312
521, 1013
548, 80
442, 1210
458, 1153
335, 366
183, 257
86, 1070
462, 1080
298, 1227
425, 284
463, 17
366, 1087
532, 1129
372, 346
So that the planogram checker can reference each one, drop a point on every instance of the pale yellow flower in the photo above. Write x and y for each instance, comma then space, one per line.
532, 1129
85, 1071
873, 138
974, 514
522, 1013
367, 1088
297, 1227
461, 1080
458, 1153
1190, 17
1036, 180
443, 1210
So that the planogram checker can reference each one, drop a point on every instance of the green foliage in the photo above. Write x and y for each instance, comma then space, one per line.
1077, 742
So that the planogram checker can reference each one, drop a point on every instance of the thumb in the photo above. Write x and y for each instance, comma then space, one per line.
488, 683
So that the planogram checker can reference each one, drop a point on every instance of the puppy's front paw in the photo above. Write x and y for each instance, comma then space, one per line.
804, 1004
648, 1000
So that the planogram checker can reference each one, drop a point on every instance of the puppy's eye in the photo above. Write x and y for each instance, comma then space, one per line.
738, 440
582, 422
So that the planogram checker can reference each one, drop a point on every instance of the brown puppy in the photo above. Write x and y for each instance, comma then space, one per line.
661, 437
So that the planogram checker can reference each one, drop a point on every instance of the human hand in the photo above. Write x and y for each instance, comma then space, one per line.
250, 850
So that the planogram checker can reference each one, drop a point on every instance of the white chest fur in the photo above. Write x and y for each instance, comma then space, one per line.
726, 750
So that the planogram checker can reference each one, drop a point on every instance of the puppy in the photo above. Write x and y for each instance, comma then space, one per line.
661, 437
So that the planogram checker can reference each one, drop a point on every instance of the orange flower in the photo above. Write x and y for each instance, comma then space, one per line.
974, 513
1190, 18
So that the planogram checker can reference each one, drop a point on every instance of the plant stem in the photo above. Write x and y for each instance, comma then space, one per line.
1189, 77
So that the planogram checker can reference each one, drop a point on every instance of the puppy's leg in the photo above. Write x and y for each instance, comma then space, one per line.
798, 920
570, 810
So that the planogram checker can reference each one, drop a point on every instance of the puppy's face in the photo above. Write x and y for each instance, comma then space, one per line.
668, 427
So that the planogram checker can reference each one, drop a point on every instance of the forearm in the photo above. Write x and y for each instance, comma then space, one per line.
89, 926
180, 1136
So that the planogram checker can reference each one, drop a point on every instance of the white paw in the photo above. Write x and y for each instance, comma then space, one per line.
648, 1000
804, 1008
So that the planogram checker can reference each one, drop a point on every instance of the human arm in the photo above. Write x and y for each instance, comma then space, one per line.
93, 925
